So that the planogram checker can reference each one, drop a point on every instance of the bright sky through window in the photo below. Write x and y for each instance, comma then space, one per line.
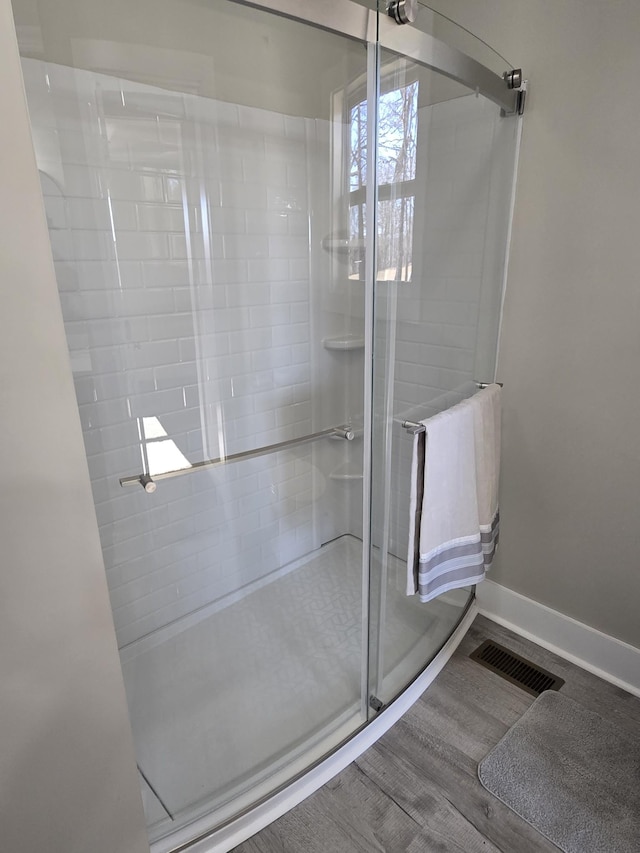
397, 150
159, 453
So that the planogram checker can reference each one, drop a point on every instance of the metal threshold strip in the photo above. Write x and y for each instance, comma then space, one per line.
148, 481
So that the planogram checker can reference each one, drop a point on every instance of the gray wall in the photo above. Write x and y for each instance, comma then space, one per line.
197, 46
67, 772
570, 355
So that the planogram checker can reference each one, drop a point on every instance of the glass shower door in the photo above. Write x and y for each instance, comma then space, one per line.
445, 172
215, 311
275, 242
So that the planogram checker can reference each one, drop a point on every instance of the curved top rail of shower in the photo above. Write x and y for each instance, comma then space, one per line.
355, 21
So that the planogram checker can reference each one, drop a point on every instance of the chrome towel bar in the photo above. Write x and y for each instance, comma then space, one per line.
415, 427
148, 481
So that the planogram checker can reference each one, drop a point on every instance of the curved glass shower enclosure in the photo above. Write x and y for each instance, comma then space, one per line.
278, 236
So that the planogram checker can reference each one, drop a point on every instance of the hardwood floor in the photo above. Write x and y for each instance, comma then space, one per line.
416, 790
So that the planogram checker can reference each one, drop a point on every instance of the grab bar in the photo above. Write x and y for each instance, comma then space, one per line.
148, 481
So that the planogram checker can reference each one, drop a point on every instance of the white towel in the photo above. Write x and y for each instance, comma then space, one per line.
454, 518
450, 548
487, 412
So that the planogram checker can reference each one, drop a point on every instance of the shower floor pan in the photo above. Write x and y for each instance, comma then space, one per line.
248, 696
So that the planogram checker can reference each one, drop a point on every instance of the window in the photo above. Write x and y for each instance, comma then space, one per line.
397, 148
159, 452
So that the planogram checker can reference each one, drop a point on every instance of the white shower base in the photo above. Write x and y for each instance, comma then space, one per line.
239, 702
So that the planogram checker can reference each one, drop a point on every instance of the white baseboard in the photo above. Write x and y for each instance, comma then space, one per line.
594, 651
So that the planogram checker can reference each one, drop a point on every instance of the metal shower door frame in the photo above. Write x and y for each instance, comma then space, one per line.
350, 19
378, 32
374, 31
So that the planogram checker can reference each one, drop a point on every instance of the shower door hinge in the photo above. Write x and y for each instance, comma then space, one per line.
375, 703
520, 93
513, 78
403, 11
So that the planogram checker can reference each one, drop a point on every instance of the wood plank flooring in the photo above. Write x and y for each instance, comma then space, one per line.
416, 790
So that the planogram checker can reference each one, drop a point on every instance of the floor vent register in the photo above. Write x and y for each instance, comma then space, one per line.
518, 670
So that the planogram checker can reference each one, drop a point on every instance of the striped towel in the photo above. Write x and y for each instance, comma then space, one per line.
487, 409
454, 519
449, 544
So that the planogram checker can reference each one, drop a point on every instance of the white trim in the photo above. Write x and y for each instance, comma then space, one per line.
605, 656
244, 827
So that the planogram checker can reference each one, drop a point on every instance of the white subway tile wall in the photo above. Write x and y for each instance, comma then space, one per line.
195, 303
180, 233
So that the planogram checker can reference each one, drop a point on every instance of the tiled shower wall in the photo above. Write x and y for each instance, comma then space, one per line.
180, 233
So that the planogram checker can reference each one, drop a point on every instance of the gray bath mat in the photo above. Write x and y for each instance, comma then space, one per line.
571, 774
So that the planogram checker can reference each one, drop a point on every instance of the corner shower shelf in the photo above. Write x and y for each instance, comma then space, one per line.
343, 342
